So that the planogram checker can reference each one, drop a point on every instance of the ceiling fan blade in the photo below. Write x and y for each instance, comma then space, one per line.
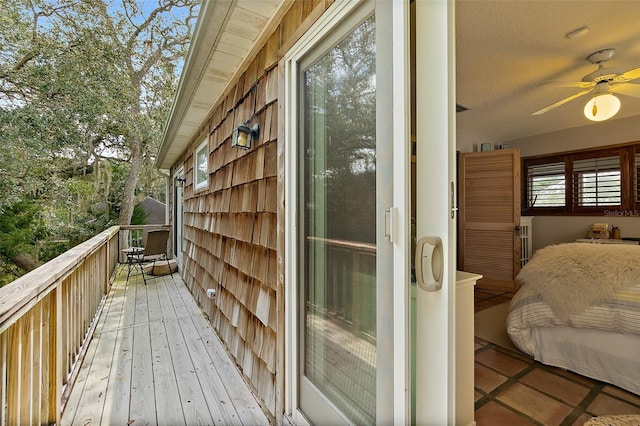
579, 84
628, 89
628, 76
561, 102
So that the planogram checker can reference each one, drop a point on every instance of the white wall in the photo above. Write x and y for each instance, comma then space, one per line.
591, 136
565, 229
561, 229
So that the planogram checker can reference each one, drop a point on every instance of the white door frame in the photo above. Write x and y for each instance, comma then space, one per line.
436, 186
396, 77
396, 16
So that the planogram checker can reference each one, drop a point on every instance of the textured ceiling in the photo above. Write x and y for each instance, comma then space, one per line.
506, 49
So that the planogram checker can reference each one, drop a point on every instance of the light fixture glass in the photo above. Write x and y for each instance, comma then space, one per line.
243, 136
602, 107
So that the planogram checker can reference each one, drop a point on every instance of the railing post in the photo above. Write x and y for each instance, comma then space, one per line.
58, 369
357, 298
107, 266
3, 401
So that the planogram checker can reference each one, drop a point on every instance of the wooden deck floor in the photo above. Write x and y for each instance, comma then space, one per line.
154, 359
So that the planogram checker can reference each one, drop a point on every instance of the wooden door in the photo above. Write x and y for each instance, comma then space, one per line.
489, 197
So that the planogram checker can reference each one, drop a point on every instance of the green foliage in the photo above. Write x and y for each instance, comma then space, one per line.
54, 248
85, 87
20, 226
139, 216
8, 271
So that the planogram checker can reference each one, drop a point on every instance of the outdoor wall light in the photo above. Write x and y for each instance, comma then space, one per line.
602, 107
243, 136
179, 182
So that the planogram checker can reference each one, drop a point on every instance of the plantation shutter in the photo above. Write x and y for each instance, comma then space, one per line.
597, 182
636, 180
546, 185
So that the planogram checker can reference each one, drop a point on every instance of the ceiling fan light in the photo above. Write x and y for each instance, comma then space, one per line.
602, 107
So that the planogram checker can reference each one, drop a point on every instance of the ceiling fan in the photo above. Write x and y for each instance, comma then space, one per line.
601, 83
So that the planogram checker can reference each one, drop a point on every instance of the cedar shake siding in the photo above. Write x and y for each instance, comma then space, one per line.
234, 228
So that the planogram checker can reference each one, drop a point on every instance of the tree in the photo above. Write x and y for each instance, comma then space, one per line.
341, 123
151, 44
85, 88
20, 225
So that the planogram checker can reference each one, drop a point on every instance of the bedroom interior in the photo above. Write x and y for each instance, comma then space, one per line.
513, 389
508, 53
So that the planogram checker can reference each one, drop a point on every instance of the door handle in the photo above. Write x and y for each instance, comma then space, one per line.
454, 209
429, 263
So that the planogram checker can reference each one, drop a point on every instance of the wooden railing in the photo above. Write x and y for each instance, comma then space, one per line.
46, 320
348, 293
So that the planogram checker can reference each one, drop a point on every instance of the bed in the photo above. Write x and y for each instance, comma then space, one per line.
578, 308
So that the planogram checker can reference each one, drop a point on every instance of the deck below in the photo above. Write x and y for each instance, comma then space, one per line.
154, 359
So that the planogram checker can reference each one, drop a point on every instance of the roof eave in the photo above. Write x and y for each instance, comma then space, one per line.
210, 26
226, 36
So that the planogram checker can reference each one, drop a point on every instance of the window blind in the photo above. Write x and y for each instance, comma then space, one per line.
597, 182
546, 185
636, 180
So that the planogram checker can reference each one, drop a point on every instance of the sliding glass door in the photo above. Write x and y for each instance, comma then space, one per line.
338, 180
347, 254
338, 263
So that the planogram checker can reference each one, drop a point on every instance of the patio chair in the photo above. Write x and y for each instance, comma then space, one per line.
154, 250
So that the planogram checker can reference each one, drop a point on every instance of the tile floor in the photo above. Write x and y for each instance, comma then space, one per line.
513, 389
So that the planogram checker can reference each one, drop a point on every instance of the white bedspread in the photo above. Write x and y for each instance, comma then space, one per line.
571, 277
602, 355
620, 314
599, 336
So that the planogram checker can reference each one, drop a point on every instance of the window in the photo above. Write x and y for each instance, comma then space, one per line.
546, 185
201, 169
588, 182
597, 182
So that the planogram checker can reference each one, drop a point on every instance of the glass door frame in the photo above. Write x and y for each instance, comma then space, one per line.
392, 82
436, 186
